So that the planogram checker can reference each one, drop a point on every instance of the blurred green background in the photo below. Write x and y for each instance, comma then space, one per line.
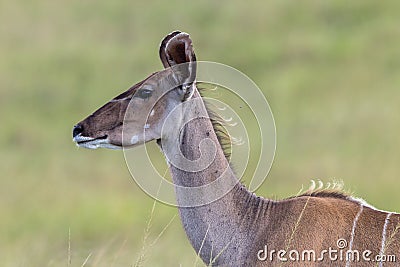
329, 69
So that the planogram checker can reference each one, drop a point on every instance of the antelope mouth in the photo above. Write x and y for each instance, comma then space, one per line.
90, 142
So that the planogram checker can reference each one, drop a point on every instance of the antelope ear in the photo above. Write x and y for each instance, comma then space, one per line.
176, 52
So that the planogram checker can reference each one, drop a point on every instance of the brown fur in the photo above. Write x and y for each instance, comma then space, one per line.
232, 229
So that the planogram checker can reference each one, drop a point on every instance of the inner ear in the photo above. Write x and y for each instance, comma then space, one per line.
176, 52
176, 48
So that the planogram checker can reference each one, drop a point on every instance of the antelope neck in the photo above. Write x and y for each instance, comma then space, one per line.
217, 226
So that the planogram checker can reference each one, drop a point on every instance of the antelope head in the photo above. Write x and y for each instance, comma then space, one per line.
137, 115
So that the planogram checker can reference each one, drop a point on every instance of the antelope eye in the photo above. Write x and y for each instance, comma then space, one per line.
144, 93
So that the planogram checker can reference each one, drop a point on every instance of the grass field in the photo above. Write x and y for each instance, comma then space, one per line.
330, 71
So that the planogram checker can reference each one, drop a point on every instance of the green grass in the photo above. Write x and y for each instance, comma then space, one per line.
330, 70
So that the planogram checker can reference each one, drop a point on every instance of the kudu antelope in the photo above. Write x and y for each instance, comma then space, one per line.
238, 228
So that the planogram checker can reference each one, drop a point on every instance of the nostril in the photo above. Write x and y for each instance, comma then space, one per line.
77, 130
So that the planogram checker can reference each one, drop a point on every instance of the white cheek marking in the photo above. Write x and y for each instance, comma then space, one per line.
152, 112
146, 126
134, 139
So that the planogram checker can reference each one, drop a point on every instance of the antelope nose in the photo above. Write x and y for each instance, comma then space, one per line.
77, 130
